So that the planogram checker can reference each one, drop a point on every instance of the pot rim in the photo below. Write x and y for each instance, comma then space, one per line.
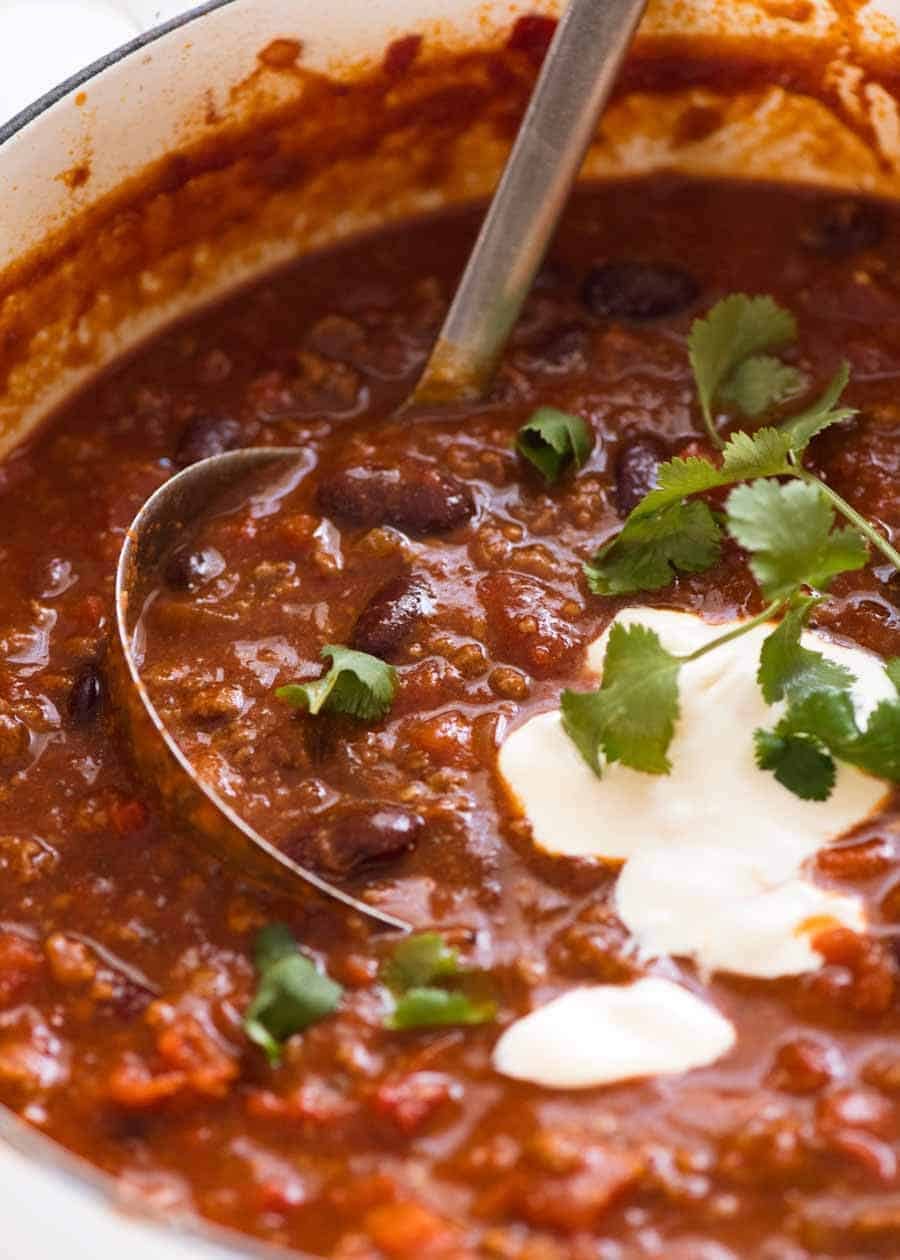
31, 112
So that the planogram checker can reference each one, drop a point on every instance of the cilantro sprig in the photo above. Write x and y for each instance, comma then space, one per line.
553, 441
661, 537
632, 716
412, 974
357, 683
785, 518
819, 725
291, 993
790, 533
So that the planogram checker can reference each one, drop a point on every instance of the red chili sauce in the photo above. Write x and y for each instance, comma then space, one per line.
126, 954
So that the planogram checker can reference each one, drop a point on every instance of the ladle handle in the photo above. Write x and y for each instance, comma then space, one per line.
574, 85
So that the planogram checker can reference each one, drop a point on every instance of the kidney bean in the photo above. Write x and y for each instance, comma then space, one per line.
351, 838
638, 290
188, 570
413, 496
86, 696
637, 465
205, 436
391, 616
846, 227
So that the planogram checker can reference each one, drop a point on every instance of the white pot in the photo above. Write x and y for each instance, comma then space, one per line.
60, 159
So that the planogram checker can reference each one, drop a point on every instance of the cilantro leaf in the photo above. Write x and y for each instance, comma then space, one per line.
551, 440
820, 414
892, 669
762, 454
291, 994
736, 329
826, 719
438, 1008
877, 748
677, 479
631, 717
650, 550
274, 942
759, 383
418, 961
799, 763
357, 683
827, 715
745, 456
788, 530
786, 668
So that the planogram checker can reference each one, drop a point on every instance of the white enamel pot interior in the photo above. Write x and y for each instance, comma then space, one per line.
179, 85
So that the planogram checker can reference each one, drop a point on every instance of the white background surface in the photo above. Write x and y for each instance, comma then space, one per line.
42, 42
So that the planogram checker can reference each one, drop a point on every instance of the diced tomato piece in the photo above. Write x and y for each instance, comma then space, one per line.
408, 1102
407, 1229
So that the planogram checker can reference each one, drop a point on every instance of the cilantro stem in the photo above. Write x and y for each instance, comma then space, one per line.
709, 424
744, 628
865, 527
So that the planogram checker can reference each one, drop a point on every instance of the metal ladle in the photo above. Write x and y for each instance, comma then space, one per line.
574, 85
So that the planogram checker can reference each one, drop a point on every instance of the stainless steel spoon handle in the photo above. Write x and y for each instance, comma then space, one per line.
574, 85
